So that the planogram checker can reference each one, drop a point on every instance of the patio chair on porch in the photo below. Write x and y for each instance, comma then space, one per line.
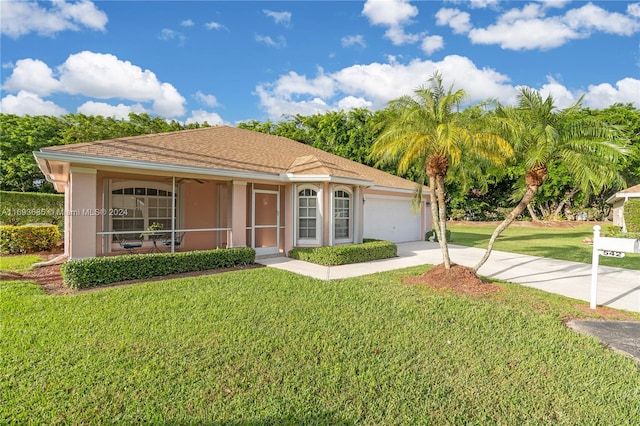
128, 242
177, 242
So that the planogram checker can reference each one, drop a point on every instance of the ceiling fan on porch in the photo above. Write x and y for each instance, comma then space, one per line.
189, 180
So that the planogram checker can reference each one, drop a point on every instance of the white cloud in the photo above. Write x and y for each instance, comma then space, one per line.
208, 100
530, 28
562, 96
276, 106
279, 17
389, 12
394, 14
482, 4
351, 102
187, 23
432, 44
280, 41
22, 17
214, 26
634, 10
459, 21
603, 95
96, 75
352, 40
104, 76
25, 103
398, 36
200, 116
118, 112
168, 34
32, 75
375, 84
525, 34
293, 84
590, 18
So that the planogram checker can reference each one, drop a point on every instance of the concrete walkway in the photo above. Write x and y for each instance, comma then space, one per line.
617, 288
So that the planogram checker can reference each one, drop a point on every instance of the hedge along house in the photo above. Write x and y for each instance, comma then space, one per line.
224, 187
618, 201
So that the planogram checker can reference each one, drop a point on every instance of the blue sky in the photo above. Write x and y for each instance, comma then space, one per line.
225, 62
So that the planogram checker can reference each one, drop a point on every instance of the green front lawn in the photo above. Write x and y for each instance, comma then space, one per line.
554, 243
21, 263
265, 346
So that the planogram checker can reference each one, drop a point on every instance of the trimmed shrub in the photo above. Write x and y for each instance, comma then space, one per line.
342, 255
28, 238
632, 215
20, 208
432, 236
97, 271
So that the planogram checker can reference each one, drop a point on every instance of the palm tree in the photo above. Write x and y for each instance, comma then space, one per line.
543, 137
426, 132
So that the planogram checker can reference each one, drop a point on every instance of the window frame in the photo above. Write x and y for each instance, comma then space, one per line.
349, 218
306, 241
147, 220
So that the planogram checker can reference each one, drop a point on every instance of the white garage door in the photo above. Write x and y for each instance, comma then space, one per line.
391, 219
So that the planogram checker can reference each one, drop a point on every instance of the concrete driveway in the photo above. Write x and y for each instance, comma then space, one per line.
617, 288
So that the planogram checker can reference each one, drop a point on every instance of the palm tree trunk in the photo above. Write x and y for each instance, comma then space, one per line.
526, 199
532, 213
435, 218
565, 200
442, 212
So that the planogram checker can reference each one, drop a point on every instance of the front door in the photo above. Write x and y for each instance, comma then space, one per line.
265, 237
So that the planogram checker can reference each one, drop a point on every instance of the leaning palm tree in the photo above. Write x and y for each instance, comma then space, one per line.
426, 132
543, 136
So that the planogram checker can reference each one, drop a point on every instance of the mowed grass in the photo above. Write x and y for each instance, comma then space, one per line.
265, 346
554, 243
22, 263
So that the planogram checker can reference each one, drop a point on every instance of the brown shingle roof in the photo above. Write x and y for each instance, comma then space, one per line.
233, 149
633, 189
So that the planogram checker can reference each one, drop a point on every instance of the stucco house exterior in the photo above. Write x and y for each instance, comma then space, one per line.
224, 187
618, 199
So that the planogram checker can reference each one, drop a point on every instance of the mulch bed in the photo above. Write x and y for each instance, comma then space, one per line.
458, 278
50, 279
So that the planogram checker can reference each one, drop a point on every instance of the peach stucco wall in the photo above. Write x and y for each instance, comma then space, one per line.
82, 219
200, 210
238, 214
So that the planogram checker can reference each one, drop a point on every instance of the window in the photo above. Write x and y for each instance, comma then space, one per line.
341, 215
307, 214
141, 206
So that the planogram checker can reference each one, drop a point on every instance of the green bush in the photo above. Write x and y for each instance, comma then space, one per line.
97, 271
342, 255
26, 239
632, 215
611, 231
432, 234
21, 208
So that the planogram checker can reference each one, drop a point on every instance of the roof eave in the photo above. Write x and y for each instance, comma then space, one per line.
150, 165
290, 177
622, 196
43, 157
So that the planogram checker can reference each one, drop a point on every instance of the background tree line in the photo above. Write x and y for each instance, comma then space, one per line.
348, 134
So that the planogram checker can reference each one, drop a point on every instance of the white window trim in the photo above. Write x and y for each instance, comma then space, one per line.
351, 193
115, 185
319, 221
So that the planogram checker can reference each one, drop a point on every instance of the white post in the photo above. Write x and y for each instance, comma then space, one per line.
173, 214
595, 259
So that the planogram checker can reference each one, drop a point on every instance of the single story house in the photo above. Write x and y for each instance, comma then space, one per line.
618, 199
224, 187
